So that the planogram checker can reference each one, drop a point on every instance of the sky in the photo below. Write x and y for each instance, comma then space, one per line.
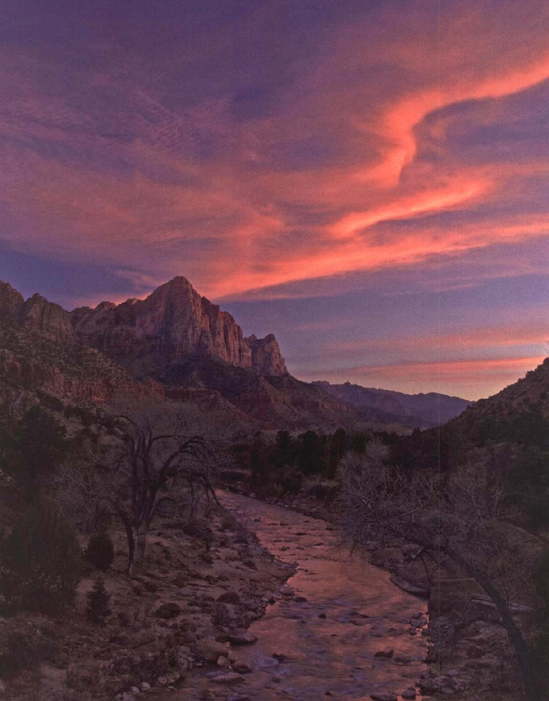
367, 180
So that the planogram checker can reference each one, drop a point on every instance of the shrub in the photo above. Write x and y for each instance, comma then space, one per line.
40, 562
19, 652
40, 444
97, 609
290, 480
100, 551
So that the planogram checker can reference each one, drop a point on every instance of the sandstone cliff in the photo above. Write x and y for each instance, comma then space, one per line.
171, 324
181, 346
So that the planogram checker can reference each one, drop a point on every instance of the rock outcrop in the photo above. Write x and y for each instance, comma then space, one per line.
171, 324
266, 356
173, 345
36, 315
47, 319
11, 302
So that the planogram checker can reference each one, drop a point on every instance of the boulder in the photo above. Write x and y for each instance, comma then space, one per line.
229, 597
210, 650
168, 610
241, 636
228, 678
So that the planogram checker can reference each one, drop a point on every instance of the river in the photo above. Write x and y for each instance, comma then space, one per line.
325, 633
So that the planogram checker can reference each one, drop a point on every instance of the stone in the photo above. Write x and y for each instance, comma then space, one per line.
475, 652
228, 678
145, 686
285, 590
384, 653
210, 650
135, 691
384, 697
168, 610
223, 662
241, 636
409, 694
229, 597
242, 668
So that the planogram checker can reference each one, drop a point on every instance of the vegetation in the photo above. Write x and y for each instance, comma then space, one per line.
460, 516
138, 474
34, 447
289, 463
97, 609
20, 652
100, 551
40, 562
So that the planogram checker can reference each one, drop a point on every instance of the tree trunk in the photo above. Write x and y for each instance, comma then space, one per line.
513, 631
142, 533
131, 542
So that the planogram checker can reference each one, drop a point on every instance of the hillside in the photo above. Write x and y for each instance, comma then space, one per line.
421, 410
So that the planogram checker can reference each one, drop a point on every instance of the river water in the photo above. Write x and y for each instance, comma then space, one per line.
325, 637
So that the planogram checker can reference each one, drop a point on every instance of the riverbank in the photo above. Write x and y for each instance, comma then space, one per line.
469, 656
198, 588
338, 628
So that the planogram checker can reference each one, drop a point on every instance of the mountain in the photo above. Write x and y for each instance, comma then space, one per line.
171, 324
39, 352
421, 410
174, 344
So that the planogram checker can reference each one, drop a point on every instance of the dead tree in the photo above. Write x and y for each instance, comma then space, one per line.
142, 468
462, 516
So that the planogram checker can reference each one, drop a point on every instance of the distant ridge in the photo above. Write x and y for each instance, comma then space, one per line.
422, 410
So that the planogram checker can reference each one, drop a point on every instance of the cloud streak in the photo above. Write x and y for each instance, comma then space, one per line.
261, 151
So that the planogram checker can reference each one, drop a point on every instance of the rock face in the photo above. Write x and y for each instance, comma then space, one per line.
174, 344
173, 323
46, 318
11, 302
266, 355
36, 314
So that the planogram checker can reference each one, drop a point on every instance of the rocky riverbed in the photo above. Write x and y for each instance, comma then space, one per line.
338, 628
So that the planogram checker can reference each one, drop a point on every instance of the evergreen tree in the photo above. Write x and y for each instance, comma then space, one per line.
40, 561
100, 552
39, 444
97, 609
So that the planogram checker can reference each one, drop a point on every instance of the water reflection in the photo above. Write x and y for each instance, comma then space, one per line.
321, 638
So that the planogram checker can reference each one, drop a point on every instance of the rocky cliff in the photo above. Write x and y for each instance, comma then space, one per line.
35, 315
171, 324
174, 344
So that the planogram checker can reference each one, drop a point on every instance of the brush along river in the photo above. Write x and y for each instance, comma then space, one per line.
320, 637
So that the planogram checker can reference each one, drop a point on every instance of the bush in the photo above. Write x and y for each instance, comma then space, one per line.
40, 444
100, 552
98, 609
290, 480
40, 562
19, 652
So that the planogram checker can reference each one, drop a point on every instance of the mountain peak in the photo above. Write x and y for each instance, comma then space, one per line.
170, 325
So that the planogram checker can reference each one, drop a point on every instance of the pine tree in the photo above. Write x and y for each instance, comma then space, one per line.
40, 561
100, 551
98, 609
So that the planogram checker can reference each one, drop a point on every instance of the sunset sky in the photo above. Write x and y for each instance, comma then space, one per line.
369, 180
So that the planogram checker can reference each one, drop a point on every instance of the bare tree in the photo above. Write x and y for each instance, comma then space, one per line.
462, 516
149, 456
